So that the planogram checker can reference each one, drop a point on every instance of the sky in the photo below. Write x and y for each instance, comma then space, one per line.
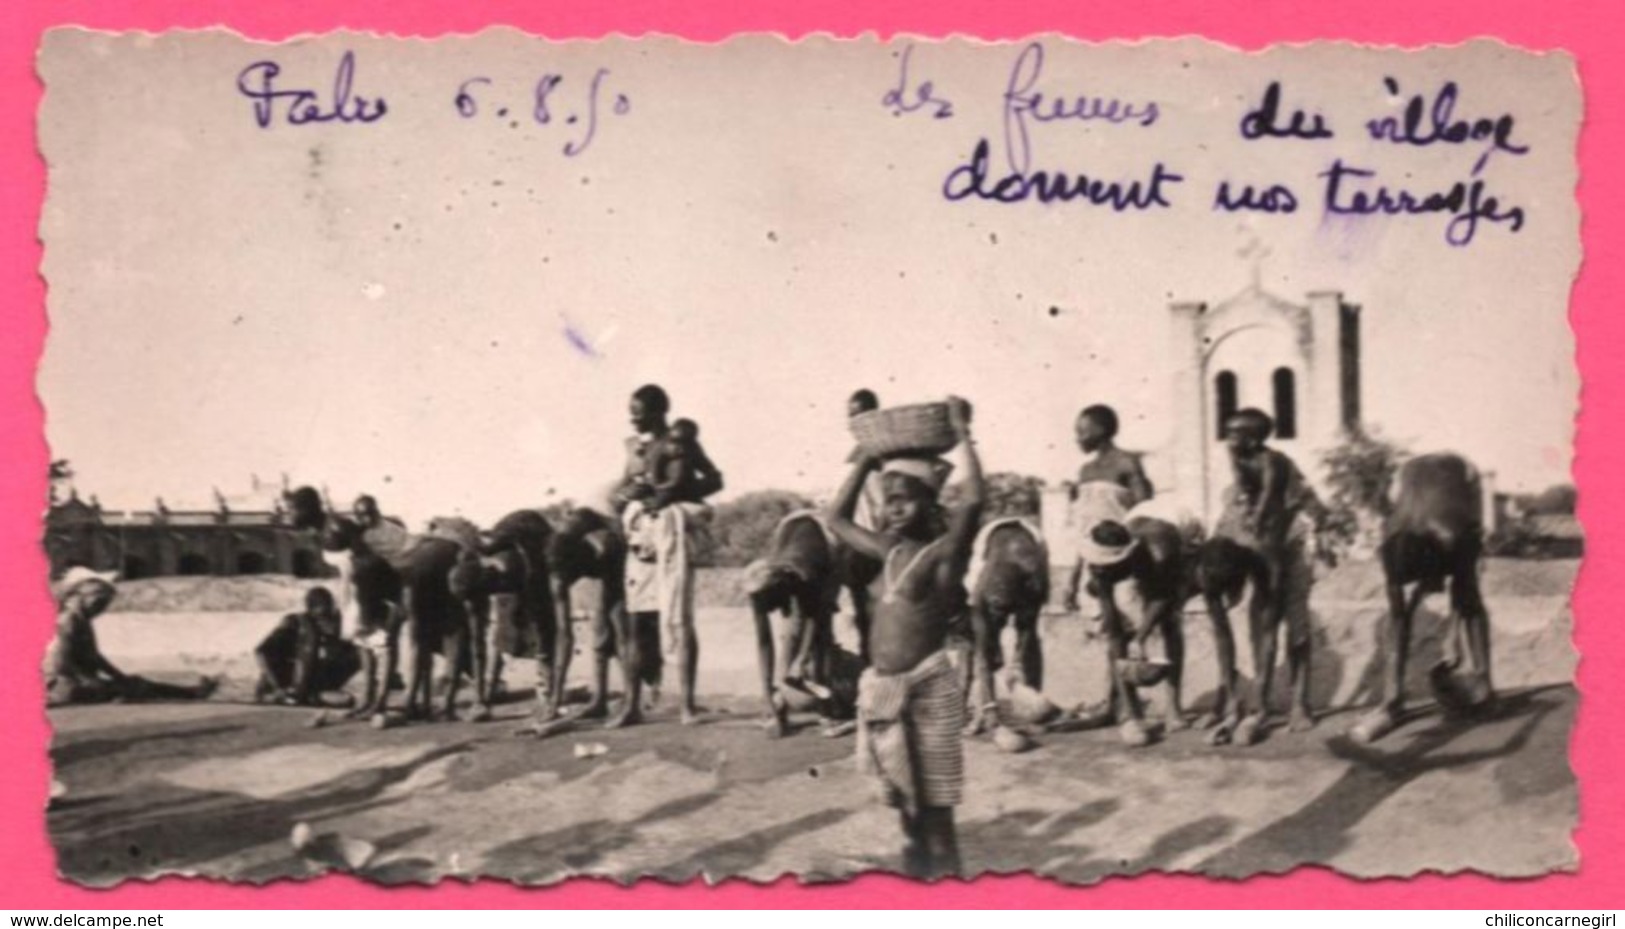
450, 311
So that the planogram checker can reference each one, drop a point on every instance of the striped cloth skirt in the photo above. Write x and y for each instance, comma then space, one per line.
909, 733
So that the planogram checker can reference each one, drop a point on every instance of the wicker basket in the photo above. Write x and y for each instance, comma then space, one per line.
918, 429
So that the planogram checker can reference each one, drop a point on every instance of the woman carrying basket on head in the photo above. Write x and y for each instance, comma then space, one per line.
910, 704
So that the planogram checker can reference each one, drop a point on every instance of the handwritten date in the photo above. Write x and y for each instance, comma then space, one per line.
584, 113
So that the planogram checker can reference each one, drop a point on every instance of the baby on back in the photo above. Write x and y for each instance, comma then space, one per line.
679, 470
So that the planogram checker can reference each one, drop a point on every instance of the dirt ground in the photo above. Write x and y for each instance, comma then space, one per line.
217, 788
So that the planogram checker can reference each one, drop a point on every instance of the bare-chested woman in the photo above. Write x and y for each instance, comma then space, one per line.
910, 703
660, 500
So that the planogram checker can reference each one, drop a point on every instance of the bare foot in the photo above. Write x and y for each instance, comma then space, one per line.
1488, 705
1447, 689
978, 724
818, 690
1374, 725
542, 728
776, 726
1134, 734
478, 714
835, 730
1094, 717
1177, 722
631, 716
1250, 730
690, 716
1474, 694
1224, 731
1301, 720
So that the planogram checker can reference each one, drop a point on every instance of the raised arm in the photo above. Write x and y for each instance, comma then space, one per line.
856, 537
967, 517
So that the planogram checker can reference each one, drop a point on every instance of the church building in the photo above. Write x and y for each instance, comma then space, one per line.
1297, 361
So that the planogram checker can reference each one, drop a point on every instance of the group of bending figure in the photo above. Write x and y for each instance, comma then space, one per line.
932, 586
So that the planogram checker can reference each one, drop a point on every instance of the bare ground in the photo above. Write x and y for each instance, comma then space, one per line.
216, 788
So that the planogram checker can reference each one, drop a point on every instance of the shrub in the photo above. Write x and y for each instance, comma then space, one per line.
742, 527
1008, 494
1359, 473
1557, 500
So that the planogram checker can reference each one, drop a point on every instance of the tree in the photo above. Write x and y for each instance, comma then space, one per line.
61, 473
1008, 494
743, 527
1359, 473
1557, 500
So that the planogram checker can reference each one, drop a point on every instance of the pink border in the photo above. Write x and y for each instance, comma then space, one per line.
1590, 29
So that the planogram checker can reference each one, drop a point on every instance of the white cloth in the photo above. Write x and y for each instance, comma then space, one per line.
816, 516
1096, 502
76, 575
978, 553
662, 551
389, 540
932, 472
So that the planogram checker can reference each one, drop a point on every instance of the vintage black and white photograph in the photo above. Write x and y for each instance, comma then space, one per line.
494, 457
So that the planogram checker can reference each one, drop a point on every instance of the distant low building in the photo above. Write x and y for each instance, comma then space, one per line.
1521, 531
248, 534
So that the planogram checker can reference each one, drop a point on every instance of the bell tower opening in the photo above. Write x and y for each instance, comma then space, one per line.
1226, 402
1299, 362
1284, 386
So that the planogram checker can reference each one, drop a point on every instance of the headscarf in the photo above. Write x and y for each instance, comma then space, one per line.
932, 472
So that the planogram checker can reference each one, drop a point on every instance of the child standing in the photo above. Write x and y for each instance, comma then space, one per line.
910, 702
